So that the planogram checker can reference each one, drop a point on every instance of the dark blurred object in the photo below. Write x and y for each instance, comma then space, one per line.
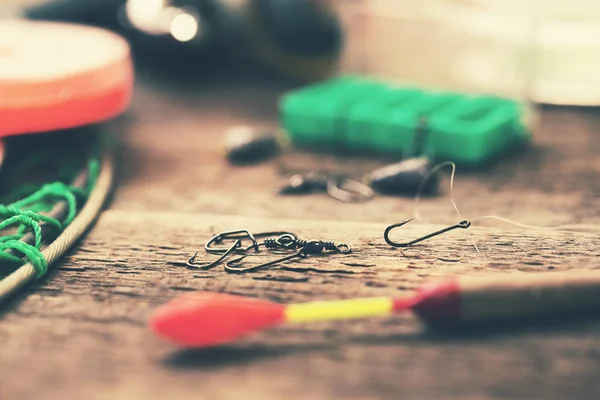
410, 176
297, 38
163, 32
89, 12
300, 39
244, 145
405, 177
305, 184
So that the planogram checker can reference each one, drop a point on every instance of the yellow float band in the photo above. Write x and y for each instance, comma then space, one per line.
339, 309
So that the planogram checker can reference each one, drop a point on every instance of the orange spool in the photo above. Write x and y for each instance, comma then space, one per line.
59, 75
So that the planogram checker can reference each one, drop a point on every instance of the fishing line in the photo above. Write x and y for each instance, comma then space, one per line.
418, 217
416, 212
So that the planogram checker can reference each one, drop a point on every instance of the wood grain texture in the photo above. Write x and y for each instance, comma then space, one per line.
81, 332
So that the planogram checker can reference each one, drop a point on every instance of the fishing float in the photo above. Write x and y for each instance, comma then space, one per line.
204, 319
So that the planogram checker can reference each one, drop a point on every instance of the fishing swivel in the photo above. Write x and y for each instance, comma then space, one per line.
386, 235
289, 241
306, 247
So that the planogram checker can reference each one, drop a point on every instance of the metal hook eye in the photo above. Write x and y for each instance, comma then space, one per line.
343, 248
287, 241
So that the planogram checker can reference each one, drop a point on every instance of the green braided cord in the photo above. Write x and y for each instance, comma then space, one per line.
10, 237
31, 253
56, 190
25, 221
27, 216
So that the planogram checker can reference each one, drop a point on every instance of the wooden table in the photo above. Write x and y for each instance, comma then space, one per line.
81, 332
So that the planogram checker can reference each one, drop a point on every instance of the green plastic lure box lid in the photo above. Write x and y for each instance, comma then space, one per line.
373, 116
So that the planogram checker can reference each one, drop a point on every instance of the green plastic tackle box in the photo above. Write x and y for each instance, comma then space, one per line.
368, 115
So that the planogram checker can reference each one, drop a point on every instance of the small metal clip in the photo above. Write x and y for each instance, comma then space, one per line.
340, 188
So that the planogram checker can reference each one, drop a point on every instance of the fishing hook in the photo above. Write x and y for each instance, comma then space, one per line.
462, 225
190, 262
235, 234
241, 234
230, 266
238, 235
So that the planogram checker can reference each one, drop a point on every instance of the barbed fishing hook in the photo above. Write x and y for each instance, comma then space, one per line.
242, 234
236, 247
190, 262
461, 225
238, 234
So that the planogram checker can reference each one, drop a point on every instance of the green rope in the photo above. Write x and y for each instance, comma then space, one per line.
27, 216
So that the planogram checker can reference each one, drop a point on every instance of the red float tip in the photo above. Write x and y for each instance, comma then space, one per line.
439, 303
207, 319
403, 303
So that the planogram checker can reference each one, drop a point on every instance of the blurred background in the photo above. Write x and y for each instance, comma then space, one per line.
544, 51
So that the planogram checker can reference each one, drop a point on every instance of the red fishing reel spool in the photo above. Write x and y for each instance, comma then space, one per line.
57, 76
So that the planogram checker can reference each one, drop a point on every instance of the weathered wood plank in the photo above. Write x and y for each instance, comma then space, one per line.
83, 329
